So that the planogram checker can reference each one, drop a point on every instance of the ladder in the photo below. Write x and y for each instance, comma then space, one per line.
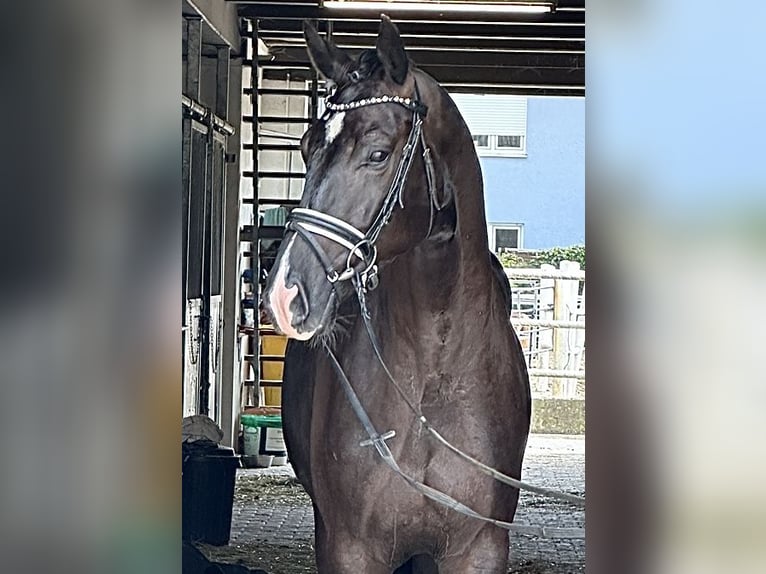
272, 166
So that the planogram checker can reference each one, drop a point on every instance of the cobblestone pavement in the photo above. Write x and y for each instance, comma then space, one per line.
274, 530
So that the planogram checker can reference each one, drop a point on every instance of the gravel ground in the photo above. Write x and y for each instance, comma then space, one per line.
273, 528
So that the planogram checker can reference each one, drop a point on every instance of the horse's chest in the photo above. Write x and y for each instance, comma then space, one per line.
342, 461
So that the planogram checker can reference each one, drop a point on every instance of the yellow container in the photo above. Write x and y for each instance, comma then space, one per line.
273, 370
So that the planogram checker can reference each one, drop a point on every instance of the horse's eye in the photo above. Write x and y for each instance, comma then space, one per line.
378, 156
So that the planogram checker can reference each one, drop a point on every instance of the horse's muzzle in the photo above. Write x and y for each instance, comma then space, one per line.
288, 308
299, 302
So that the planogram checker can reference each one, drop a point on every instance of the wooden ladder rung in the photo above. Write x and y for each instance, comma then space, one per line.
275, 358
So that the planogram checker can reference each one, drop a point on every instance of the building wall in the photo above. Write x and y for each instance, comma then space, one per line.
546, 190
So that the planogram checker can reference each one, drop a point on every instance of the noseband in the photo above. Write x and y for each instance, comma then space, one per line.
310, 223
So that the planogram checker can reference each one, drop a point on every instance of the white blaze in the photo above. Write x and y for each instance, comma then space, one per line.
333, 127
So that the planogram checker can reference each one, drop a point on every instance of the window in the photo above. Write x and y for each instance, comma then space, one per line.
481, 141
504, 146
506, 236
509, 142
498, 123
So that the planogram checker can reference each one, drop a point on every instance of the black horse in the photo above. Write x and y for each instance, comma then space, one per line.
392, 215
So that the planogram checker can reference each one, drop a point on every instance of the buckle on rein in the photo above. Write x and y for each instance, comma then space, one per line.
381, 437
368, 279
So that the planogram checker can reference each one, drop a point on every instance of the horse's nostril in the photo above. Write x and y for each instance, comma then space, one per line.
300, 305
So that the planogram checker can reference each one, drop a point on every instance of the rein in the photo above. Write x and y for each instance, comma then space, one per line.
379, 442
308, 223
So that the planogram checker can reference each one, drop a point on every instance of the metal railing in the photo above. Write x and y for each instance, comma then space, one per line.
548, 314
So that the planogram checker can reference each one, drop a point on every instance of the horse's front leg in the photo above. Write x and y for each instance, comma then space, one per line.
339, 552
488, 554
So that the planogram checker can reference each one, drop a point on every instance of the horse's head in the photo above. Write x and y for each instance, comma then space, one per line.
364, 160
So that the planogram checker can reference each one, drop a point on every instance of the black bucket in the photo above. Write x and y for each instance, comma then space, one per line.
209, 473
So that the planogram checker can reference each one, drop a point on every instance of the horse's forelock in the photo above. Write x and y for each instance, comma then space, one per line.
368, 63
366, 67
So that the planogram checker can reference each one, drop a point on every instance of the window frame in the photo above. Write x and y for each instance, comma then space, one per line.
481, 148
494, 150
494, 226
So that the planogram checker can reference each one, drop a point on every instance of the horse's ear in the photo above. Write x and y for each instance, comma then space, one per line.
391, 50
327, 58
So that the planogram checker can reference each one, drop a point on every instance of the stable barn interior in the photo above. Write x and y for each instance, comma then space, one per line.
249, 93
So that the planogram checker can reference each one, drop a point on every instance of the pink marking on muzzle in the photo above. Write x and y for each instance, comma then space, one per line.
280, 298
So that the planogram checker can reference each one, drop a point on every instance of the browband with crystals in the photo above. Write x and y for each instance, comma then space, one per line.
408, 103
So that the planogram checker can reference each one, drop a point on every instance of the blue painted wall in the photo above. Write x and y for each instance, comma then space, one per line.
546, 190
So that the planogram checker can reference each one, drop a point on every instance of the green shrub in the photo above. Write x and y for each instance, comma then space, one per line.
515, 259
556, 255
552, 256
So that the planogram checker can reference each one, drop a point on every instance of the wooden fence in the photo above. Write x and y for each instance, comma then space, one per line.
549, 317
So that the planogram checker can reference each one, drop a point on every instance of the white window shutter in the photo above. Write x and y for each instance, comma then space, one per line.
493, 114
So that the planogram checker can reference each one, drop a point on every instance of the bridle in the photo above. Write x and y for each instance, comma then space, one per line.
310, 223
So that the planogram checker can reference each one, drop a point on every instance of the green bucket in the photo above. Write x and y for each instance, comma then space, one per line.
264, 441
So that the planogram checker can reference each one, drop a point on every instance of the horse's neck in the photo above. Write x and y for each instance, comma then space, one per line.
430, 290
443, 280
458, 170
